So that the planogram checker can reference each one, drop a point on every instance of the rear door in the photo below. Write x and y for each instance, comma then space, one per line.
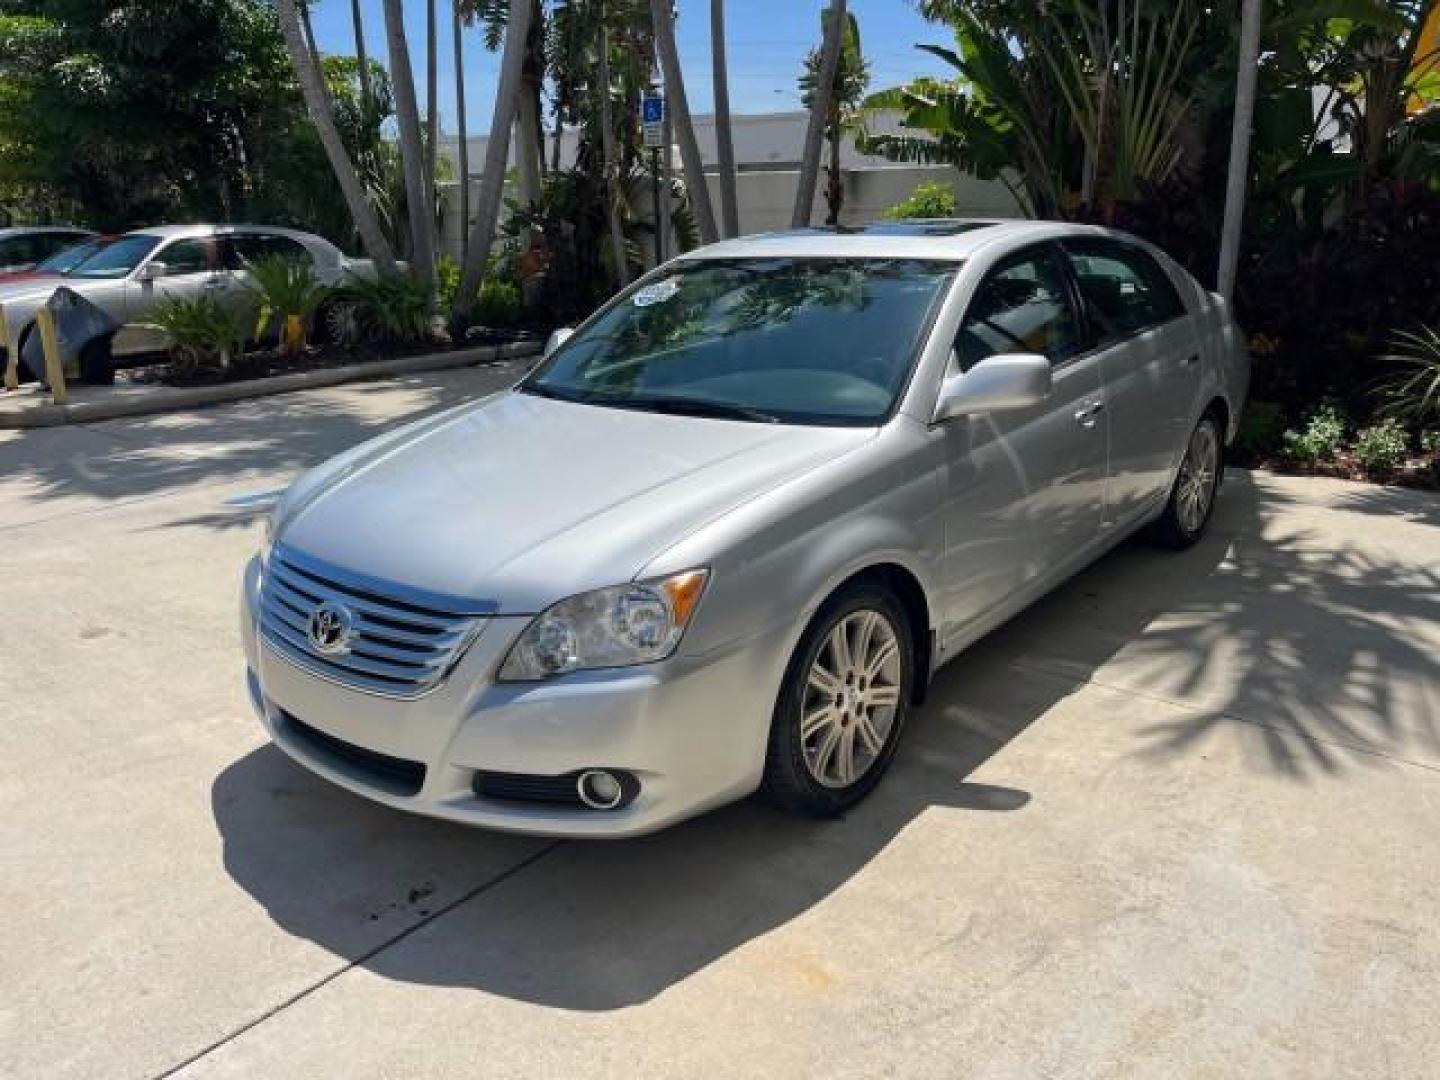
1150, 361
1024, 489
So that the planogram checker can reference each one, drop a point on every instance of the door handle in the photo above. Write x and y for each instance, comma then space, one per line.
1192, 360
213, 283
1087, 416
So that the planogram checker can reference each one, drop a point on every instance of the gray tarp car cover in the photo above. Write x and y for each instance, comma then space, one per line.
78, 323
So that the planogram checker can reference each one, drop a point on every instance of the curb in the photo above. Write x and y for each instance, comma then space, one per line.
175, 399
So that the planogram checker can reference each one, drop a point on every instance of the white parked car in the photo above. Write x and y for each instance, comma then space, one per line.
720, 538
126, 276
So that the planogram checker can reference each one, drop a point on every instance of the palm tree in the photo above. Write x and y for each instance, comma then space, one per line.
607, 152
1239, 169
361, 59
847, 91
679, 110
724, 141
529, 144
497, 152
372, 238
432, 109
412, 144
819, 112
463, 134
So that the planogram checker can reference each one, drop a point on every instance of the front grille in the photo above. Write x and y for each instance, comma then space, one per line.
395, 775
401, 643
523, 787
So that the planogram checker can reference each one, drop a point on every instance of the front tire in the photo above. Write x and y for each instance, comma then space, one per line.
843, 703
1192, 498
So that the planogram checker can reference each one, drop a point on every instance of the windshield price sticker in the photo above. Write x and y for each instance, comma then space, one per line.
656, 294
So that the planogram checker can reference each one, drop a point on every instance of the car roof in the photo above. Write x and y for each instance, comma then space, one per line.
180, 232
933, 238
33, 230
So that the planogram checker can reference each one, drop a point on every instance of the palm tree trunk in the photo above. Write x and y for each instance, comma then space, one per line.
724, 140
527, 150
497, 151
819, 112
677, 107
607, 164
1239, 169
432, 112
362, 60
412, 143
318, 104
310, 40
834, 188
462, 145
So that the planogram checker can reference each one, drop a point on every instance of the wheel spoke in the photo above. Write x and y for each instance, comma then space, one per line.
882, 656
866, 727
825, 752
823, 680
840, 648
845, 756
882, 697
817, 720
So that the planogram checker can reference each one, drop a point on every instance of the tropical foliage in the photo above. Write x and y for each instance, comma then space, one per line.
928, 200
843, 115
200, 331
287, 294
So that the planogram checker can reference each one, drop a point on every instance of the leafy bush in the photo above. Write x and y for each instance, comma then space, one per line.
289, 295
447, 281
1382, 449
500, 303
392, 307
1321, 440
929, 200
1262, 428
1414, 392
200, 330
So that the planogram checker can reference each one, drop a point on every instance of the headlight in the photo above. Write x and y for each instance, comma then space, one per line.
622, 626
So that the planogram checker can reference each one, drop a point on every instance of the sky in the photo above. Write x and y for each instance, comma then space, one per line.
767, 43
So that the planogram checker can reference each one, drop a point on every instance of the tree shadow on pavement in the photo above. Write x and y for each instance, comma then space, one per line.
1260, 626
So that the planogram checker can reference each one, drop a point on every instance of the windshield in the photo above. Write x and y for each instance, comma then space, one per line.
117, 259
67, 259
794, 340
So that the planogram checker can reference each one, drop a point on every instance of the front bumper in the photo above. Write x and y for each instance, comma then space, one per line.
692, 730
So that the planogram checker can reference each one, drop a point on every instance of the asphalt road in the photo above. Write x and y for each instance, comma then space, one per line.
1178, 820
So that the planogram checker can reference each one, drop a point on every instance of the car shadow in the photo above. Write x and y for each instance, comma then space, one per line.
1259, 626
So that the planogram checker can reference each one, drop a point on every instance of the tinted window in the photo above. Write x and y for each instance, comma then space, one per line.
47, 244
802, 340
1023, 306
254, 248
117, 259
185, 257
17, 251
69, 258
1125, 290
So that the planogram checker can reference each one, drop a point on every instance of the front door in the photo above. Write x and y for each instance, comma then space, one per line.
191, 271
1024, 489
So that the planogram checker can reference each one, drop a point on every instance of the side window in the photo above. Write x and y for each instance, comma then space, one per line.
253, 248
185, 257
48, 244
1125, 290
1022, 306
17, 251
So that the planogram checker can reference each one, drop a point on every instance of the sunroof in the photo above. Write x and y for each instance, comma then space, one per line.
924, 227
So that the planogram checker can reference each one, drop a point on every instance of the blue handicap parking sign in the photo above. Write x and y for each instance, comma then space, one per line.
653, 110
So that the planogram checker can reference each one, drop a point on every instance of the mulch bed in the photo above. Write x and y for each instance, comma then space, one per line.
261, 363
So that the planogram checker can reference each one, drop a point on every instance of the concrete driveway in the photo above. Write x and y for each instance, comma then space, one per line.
1180, 819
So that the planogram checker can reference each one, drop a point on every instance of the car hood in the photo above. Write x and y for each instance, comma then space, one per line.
522, 500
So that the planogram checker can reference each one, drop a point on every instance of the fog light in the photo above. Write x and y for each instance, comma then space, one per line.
599, 789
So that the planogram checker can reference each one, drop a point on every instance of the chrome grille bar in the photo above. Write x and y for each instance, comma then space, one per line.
402, 642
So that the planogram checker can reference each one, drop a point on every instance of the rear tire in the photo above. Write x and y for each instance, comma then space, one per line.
1192, 497
843, 703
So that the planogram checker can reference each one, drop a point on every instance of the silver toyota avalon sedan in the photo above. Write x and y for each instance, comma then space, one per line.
721, 537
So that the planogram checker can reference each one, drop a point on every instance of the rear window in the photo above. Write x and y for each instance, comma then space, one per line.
1125, 290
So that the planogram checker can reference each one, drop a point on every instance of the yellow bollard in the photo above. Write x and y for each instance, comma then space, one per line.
12, 354
50, 342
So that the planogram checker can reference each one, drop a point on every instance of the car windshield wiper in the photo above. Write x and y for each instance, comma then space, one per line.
688, 406
541, 390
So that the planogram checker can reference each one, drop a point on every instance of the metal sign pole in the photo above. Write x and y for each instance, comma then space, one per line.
655, 120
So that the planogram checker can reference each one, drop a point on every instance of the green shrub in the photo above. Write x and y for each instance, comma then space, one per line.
447, 282
1321, 440
500, 303
929, 200
1414, 393
1262, 427
200, 330
1382, 449
392, 307
289, 295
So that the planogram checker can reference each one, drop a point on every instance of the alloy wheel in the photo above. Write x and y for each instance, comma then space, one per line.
852, 695
1196, 487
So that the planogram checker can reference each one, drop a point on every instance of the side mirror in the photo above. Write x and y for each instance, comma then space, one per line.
558, 338
995, 384
152, 270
